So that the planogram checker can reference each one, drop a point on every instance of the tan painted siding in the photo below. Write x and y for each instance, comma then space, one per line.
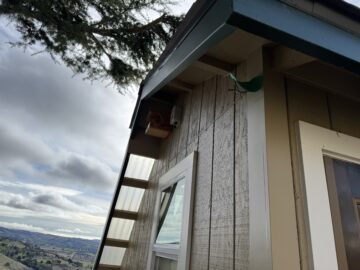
322, 108
214, 124
284, 241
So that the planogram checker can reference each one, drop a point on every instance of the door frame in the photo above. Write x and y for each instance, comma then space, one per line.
315, 143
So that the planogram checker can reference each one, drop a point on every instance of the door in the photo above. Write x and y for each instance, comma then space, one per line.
343, 180
331, 187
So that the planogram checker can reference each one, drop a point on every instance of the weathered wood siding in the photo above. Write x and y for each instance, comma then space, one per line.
214, 124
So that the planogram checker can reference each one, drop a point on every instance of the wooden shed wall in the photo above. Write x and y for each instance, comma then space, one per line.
214, 124
288, 102
324, 109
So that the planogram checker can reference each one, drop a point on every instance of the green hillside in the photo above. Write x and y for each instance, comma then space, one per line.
49, 240
20, 255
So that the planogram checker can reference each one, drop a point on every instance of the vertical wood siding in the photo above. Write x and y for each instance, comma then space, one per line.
214, 124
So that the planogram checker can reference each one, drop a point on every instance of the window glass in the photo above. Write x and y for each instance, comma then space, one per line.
165, 264
112, 255
139, 167
120, 228
171, 210
129, 198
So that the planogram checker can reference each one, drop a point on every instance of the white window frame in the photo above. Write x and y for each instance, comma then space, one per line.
316, 142
181, 253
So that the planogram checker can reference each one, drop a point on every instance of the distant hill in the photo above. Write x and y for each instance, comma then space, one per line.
7, 263
24, 250
47, 240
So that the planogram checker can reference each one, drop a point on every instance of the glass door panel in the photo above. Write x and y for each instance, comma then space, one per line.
343, 180
165, 264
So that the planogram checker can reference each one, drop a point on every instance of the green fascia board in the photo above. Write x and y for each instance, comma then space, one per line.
298, 30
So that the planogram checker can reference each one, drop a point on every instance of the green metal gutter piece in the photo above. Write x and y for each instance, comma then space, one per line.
254, 85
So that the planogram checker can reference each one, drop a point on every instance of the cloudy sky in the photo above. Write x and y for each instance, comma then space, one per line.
354, 2
62, 141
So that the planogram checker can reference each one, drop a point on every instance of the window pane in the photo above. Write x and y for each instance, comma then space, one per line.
171, 210
112, 255
165, 264
129, 198
120, 228
139, 167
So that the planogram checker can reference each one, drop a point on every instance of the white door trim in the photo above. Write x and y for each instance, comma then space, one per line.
315, 143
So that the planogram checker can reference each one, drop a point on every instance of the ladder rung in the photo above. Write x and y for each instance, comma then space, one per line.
112, 242
136, 183
108, 267
125, 214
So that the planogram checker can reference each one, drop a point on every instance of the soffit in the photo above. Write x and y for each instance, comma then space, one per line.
235, 48
231, 51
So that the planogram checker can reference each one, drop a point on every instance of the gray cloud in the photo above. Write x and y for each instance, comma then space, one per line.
84, 171
16, 201
15, 144
55, 200
63, 168
47, 114
44, 99
49, 203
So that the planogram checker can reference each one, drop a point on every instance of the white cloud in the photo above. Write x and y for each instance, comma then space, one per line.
27, 154
52, 203
354, 2
60, 232
52, 206
19, 226
39, 188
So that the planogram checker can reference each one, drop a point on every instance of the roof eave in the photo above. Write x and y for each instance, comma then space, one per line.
209, 30
264, 18
301, 31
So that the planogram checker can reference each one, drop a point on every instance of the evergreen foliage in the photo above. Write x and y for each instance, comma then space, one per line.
111, 39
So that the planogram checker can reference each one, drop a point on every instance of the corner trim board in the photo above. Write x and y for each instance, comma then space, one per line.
260, 242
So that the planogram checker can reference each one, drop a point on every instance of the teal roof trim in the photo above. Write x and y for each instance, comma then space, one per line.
296, 29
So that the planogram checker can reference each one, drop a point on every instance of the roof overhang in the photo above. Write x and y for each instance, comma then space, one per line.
272, 20
298, 30
208, 31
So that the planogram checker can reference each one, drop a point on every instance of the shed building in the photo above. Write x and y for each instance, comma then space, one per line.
245, 144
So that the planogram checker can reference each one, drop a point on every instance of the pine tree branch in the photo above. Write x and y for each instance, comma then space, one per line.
133, 30
100, 46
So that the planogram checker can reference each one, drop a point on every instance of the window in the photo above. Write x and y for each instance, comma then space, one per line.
171, 231
170, 216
